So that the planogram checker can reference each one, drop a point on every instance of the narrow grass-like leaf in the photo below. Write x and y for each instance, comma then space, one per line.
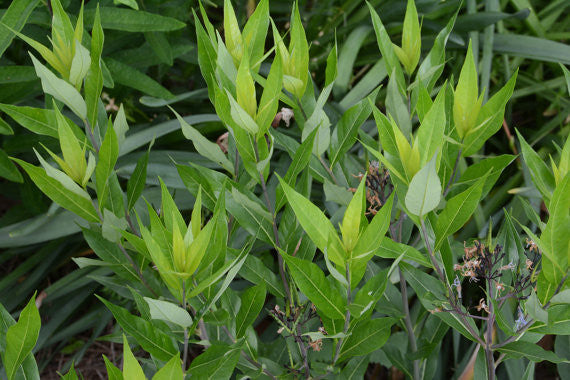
131, 77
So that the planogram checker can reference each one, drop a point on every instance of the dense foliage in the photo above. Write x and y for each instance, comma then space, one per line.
284, 189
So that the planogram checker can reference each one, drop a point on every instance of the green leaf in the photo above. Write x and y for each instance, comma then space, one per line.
348, 126
489, 119
387, 49
204, 146
555, 238
312, 282
411, 37
8, 170
5, 128
353, 216
369, 294
71, 374
17, 74
137, 181
151, 339
389, 249
252, 301
38, 120
298, 66
540, 173
347, 58
530, 351
207, 57
129, 3
457, 212
314, 222
53, 189
94, 78
566, 76
217, 362
14, 18
171, 370
113, 373
492, 165
366, 337
528, 47
131, 367
133, 21
21, 338
424, 192
60, 89
466, 103
79, 65
299, 162
108, 154
167, 311
111, 254
372, 237
160, 45
432, 128
255, 32
240, 116
130, 77
433, 64
397, 108
270, 98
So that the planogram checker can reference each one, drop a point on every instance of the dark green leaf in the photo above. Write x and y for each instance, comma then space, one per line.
15, 17
366, 337
311, 280
151, 339
529, 351
133, 21
252, 301
55, 191
21, 338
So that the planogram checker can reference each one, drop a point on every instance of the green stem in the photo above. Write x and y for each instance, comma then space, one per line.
280, 262
451, 296
186, 336
346, 317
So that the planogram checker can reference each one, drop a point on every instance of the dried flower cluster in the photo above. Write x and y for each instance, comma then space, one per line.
378, 186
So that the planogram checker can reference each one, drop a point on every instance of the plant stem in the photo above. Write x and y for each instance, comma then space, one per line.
404, 292
451, 296
346, 316
525, 327
329, 170
185, 354
91, 136
247, 357
408, 322
275, 232
450, 182
489, 334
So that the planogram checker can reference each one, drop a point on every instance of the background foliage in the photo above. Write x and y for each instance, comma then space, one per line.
150, 60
